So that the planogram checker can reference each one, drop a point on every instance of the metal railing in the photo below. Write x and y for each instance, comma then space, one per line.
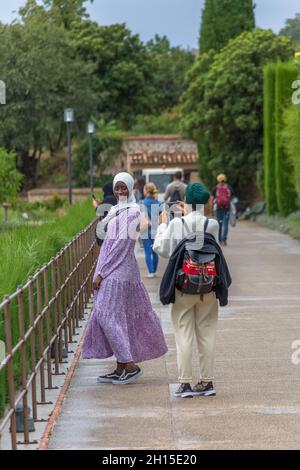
40, 319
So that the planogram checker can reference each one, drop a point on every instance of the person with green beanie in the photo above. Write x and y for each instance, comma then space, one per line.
196, 194
191, 314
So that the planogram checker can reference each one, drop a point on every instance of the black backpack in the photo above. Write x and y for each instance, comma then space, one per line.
198, 275
175, 196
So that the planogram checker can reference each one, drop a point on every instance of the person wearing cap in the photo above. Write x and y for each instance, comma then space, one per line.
221, 197
151, 209
191, 314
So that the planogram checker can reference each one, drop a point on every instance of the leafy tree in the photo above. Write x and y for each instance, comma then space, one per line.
192, 120
42, 76
166, 123
62, 12
292, 30
10, 178
123, 72
170, 66
223, 20
224, 104
107, 144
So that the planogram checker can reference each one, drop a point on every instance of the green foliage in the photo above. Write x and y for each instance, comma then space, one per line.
122, 78
292, 30
25, 249
67, 11
191, 121
170, 66
223, 20
224, 104
269, 139
42, 76
17, 264
291, 141
53, 56
286, 74
166, 123
10, 178
54, 203
107, 144
131, 78
289, 225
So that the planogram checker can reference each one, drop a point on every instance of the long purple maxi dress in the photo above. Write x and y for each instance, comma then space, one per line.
123, 322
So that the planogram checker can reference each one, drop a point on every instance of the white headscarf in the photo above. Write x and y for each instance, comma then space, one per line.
130, 202
127, 179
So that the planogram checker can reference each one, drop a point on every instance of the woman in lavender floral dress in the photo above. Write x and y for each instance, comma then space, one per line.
123, 322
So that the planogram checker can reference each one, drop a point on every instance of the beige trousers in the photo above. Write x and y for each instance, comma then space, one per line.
190, 317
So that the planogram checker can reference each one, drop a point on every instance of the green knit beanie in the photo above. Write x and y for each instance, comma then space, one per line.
196, 193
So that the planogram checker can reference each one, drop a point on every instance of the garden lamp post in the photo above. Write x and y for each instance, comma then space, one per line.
3, 102
90, 128
69, 119
2, 92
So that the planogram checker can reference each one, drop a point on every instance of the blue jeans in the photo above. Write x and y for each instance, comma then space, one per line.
223, 219
151, 256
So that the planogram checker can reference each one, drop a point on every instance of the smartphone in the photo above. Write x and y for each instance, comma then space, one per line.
94, 197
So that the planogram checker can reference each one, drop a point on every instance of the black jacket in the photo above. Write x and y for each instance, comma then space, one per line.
167, 286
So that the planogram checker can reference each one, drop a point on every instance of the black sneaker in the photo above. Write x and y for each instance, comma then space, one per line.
128, 376
108, 378
202, 390
184, 391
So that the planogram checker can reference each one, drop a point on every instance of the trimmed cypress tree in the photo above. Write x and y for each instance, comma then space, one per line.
269, 138
286, 195
223, 20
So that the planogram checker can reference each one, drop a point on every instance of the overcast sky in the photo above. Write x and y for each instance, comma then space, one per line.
177, 19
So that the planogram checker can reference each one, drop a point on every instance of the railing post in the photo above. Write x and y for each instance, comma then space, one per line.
23, 364
54, 311
32, 349
10, 374
41, 338
48, 326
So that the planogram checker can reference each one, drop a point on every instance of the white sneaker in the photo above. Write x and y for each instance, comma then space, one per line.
151, 275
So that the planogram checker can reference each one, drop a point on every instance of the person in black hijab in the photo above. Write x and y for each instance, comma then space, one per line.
109, 197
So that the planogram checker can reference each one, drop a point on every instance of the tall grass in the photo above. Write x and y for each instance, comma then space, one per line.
25, 248
22, 251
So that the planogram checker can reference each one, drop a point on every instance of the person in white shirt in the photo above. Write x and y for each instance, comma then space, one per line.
191, 314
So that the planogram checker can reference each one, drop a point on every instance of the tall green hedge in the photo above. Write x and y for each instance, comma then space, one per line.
269, 139
280, 151
286, 195
223, 20
291, 140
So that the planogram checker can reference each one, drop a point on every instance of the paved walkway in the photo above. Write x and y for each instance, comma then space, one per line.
257, 404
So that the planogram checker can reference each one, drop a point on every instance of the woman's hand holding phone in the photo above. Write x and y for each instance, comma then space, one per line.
96, 203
